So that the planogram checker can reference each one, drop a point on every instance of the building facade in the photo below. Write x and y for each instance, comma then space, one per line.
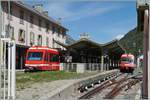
30, 26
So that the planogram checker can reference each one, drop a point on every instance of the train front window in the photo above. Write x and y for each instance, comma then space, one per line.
126, 60
35, 56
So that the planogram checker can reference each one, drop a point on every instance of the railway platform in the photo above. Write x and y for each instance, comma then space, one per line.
122, 85
55, 89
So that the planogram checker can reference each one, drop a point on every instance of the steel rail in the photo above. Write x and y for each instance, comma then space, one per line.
115, 91
106, 84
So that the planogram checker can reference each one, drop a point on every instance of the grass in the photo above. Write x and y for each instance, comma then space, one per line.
45, 76
24, 80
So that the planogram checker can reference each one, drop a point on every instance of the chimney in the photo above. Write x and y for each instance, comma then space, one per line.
59, 21
84, 36
45, 13
38, 7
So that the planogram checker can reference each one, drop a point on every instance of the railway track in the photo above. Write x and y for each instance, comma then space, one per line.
92, 82
115, 91
116, 83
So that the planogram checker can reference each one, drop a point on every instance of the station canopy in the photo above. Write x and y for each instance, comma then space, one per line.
85, 50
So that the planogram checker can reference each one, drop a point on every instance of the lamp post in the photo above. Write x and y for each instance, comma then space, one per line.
11, 61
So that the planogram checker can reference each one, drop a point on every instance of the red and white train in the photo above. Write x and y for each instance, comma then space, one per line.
127, 63
42, 58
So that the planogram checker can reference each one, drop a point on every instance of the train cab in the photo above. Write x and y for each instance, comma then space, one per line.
42, 58
127, 63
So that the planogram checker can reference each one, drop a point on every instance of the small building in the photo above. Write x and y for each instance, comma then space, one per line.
93, 55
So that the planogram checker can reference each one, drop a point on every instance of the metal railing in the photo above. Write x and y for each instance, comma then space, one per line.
74, 67
7, 70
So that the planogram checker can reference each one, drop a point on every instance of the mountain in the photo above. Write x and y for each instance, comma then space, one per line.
132, 42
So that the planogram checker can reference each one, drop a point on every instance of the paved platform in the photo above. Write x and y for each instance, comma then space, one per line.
48, 90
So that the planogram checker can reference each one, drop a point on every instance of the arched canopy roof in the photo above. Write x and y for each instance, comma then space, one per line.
89, 47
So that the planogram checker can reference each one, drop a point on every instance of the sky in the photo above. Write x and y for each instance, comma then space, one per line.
102, 20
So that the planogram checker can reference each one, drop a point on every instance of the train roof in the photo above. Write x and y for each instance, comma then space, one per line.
127, 55
42, 48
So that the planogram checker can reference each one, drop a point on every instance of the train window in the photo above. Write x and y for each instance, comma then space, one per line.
35, 55
54, 58
126, 60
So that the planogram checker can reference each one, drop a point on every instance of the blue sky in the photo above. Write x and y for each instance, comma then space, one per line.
102, 20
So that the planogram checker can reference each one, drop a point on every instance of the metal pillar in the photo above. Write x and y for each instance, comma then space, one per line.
12, 83
3, 71
145, 68
10, 89
9, 67
1, 58
144, 5
102, 63
1, 49
3, 78
149, 58
110, 64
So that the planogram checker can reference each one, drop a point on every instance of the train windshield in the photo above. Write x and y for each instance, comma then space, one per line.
35, 56
126, 60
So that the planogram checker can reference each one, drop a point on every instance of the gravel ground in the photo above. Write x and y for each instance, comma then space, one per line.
130, 94
71, 92
133, 93
38, 90
45, 90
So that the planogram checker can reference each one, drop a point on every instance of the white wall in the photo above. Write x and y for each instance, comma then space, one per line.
15, 22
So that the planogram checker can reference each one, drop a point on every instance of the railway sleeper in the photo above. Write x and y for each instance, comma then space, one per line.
115, 91
92, 82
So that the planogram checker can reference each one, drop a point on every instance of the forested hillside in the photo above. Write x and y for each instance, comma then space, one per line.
132, 42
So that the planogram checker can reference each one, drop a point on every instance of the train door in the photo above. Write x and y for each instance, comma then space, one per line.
50, 61
54, 61
46, 61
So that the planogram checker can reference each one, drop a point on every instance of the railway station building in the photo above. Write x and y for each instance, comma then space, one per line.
92, 56
29, 26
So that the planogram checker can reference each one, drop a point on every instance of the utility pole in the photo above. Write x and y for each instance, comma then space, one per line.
147, 47
149, 56
11, 61
143, 8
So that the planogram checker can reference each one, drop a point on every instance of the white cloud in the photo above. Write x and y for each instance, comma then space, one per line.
62, 10
119, 36
87, 13
58, 10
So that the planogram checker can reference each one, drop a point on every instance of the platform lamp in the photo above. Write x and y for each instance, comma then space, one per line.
11, 59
